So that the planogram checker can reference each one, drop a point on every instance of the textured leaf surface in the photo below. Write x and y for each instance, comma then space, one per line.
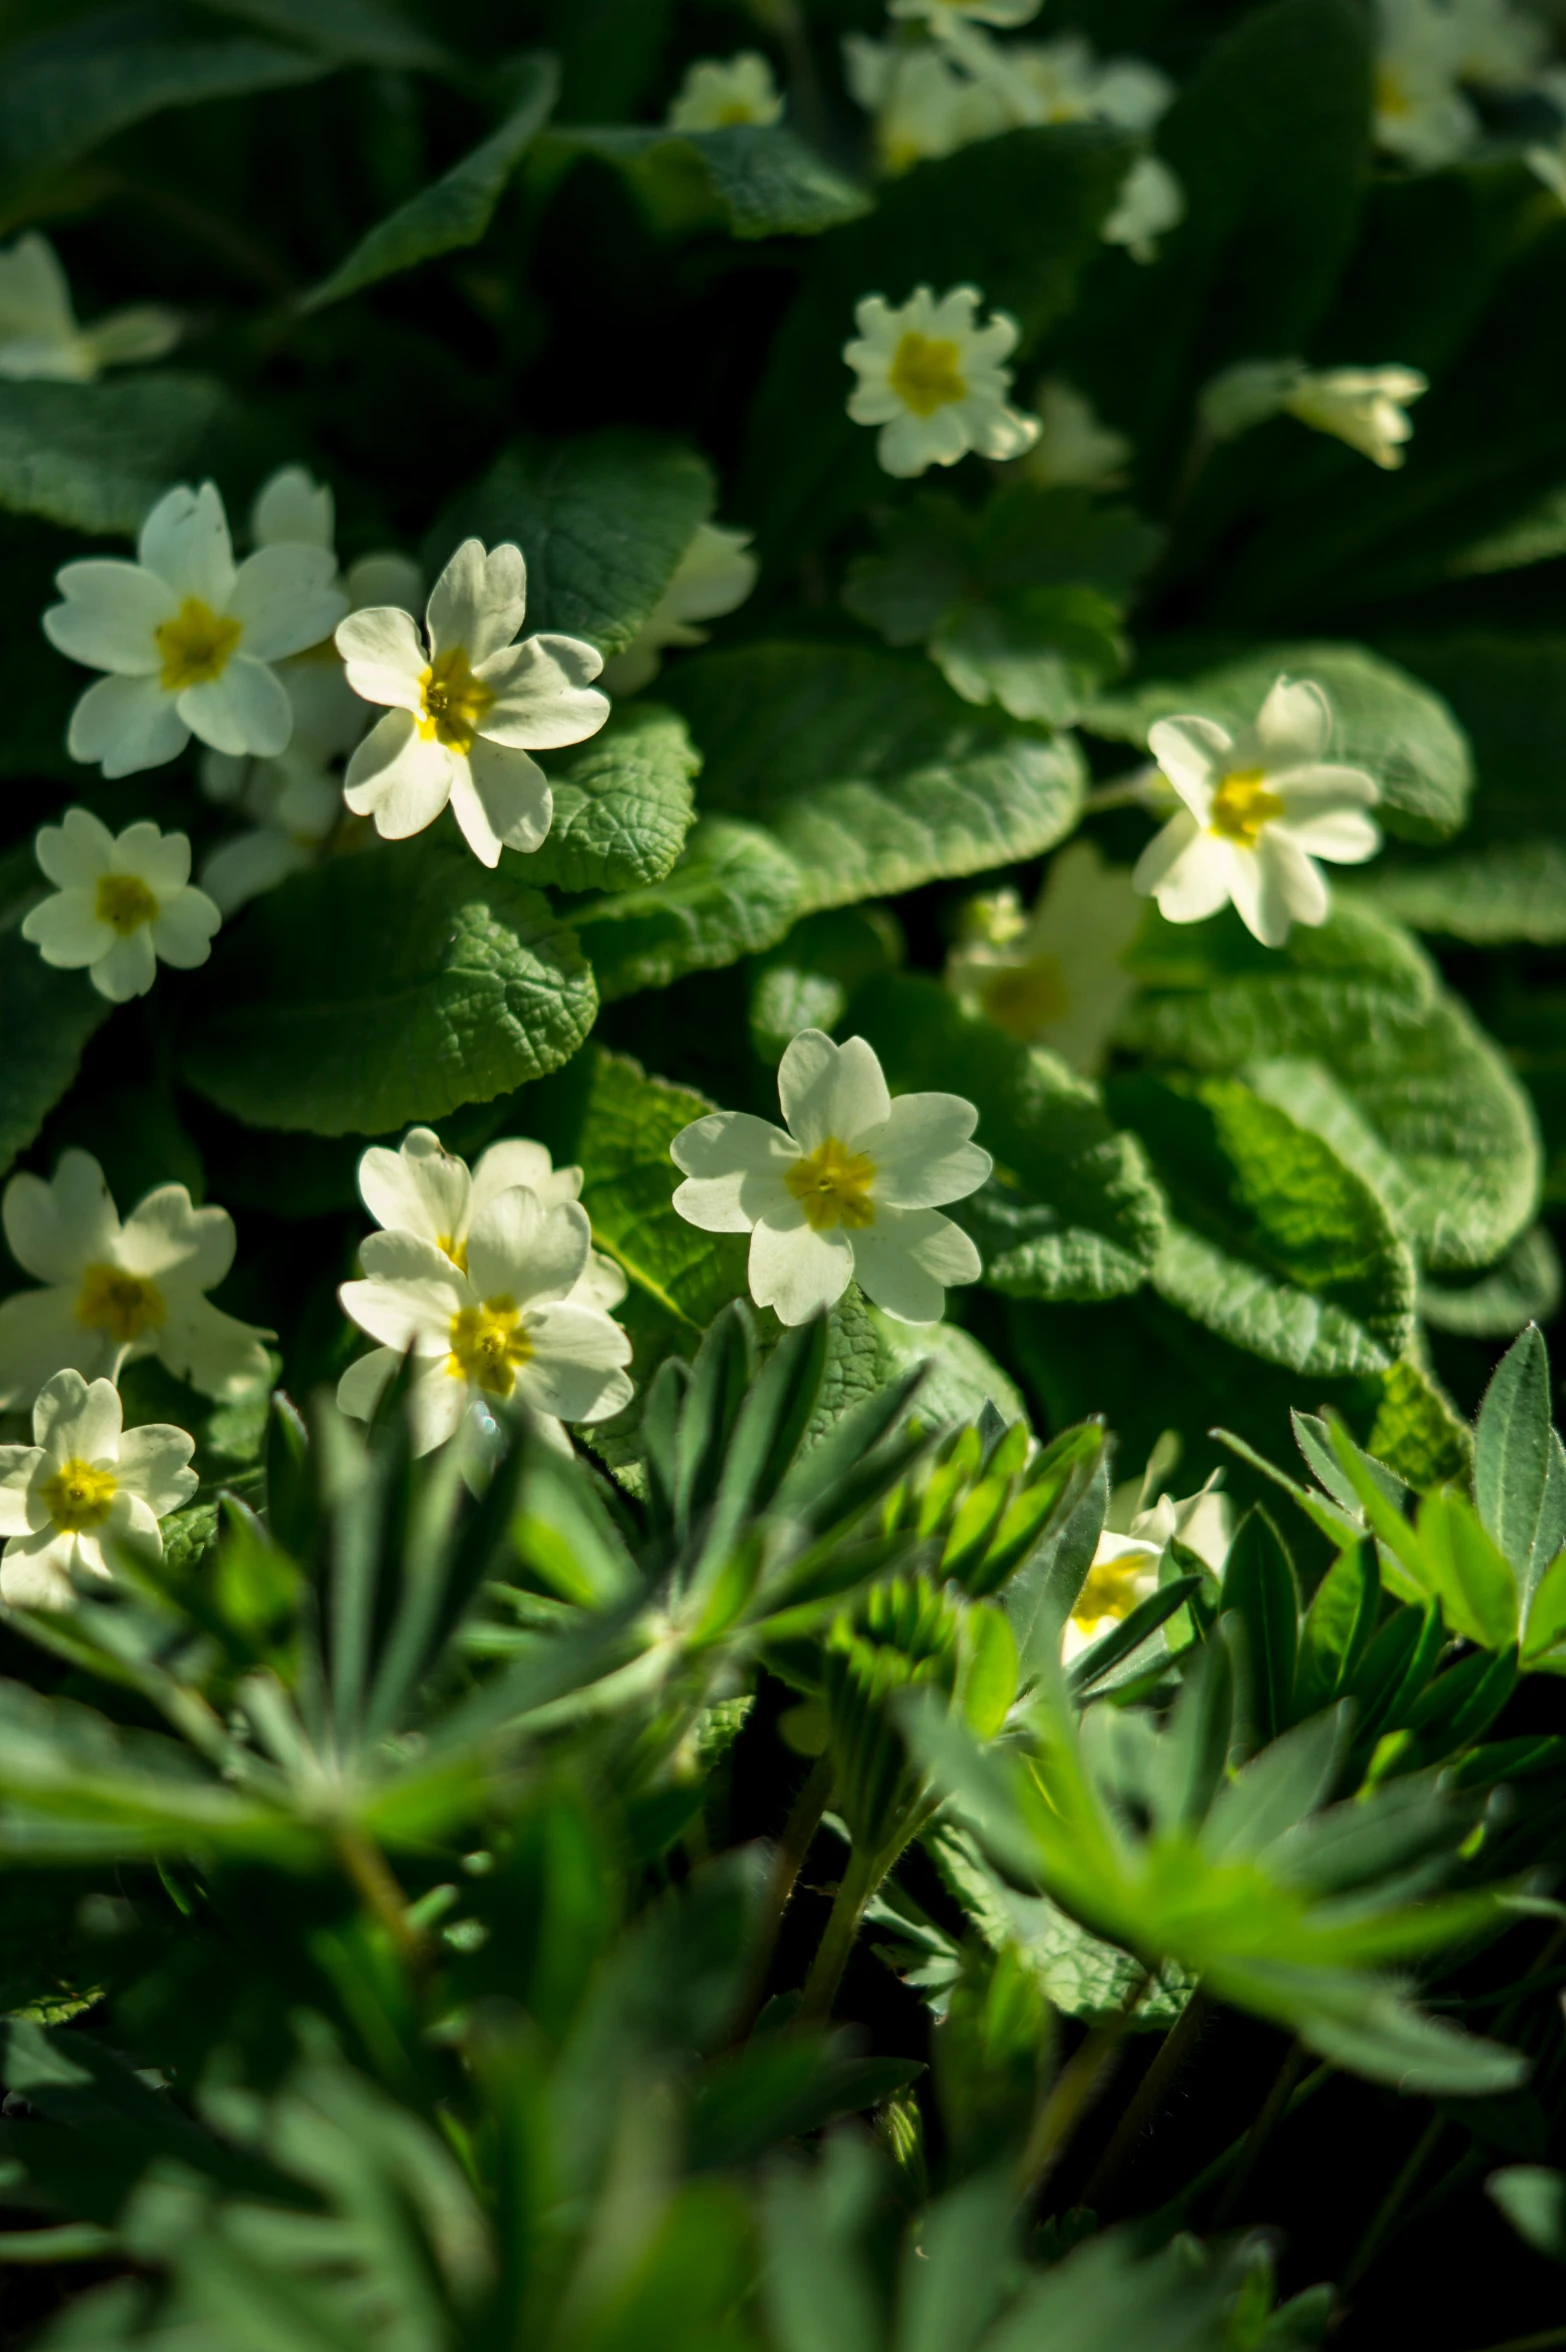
764, 180
623, 806
734, 892
866, 1350
872, 773
1510, 890
391, 985
96, 456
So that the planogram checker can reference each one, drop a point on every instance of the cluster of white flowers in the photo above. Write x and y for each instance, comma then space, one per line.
108, 1294
1364, 406
1057, 977
1430, 52
39, 335
934, 381
850, 1192
489, 1277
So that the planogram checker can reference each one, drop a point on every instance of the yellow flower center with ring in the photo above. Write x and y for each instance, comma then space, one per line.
926, 373
454, 701
1022, 999
124, 902
1243, 807
124, 1305
1110, 1589
832, 1186
78, 1496
195, 645
489, 1346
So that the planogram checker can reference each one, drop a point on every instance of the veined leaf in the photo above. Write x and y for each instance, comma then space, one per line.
623, 806
1520, 1464
734, 892
96, 456
1487, 897
758, 177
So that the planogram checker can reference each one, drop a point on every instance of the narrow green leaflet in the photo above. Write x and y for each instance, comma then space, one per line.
1277, 1245
1489, 897
96, 456
391, 985
1072, 1211
623, 805
1384, 721
758, 177
872, 773
1350, 1029
734, 892
603, 520
1519, 1463
455, 209
359, 32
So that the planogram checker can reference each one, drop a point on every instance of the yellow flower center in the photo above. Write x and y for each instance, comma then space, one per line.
454, 701
735, 110
79, 1496
124, 1305
832, 1186
124, 902
1027, 997
1110, 1590
489, 1345
1243, 807
195, 645
456, 1250
926, 373
1391, 95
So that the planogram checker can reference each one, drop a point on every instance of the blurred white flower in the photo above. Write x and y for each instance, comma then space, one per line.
947, 17
188, 637
1497, 46
297, 804
923, 105
1150, 203
1063, 81
421, 1189
1259, 810
506, 1329
1364, 406
849, 1193
1421, 114
465, 713
1075, 449
934, 381
84, 1482
1056, 977
121, 902
115, 1292
1125, 1567
714, 576
39, 336
720, 91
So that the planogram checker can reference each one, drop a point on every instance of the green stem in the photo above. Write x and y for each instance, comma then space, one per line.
378, 1890
1069, 2100
1370, 2244
859, 1882
788, 1861
1261, 2131
1176, 2047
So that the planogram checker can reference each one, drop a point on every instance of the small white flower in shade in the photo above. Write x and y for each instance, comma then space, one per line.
1497, 46
934, 381
1549, 165
849, 1193
717, 92
115, 1292
506, 1330
1075, 449
1056, 977
1258, 811
714, 576
1421, 115
1125, 1567
952, 16
1364, 406
121, 902
39, 336
1062, 81
297, 803
1150, 203
84, 1483
466, 712
922, 105
189, 639
419, 1188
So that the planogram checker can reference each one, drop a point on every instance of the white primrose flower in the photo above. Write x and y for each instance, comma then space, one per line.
1075, 449
1421, 114
922, 104
120, 903
115, 1292
419, 1188
719, 91
84, 1482
1062, 81
1055, 977
465, 714
849, 1193
39, 336
1258, 811
1364, 406
188, 638
1150, 203
506, 1330
1125, 1567
933, 380
713, 577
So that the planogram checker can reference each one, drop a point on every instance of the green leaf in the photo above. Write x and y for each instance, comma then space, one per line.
1510, 890
1520, 1464
390, 985
1340, 1620
1277, 1245
65, 91
1524, 1288
871, 772
97, 456
1258, 1583
806, 981
623, 806
1416, 1431
457, 208
49, 1016
1383, 721
359, 32
867, 1350
1072, 1210
603, 521
758, 177
734, 891
1040, 655
1350, 1029
1533, 2199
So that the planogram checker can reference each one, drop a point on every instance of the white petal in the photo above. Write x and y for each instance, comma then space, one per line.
244, 710
478, 601
831, 1090
436, 1406
1260, 889
365, 1382
797, 1271
544, 694
517, 1161
73, 1416
1299, 885
385, 656
908, 1257
576, 1370
185, 929
1347, 838
291, 505
75, 852
735, 1164
1198, 881
384, 578
501, 797
126, 724
55, 1229
1193, 753
420, 1188
253, 862
142, 331
35, 1572
111, 612
35, 294
19, 1468
39, 1334
215, 1352
520, 1250
66, 930
126, 968
185, 541
399, 778
154, 1464
161, 860
911, 443
1294, 723
411, 1294
286, 599
603, 1285
166, 1235
923, 1156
